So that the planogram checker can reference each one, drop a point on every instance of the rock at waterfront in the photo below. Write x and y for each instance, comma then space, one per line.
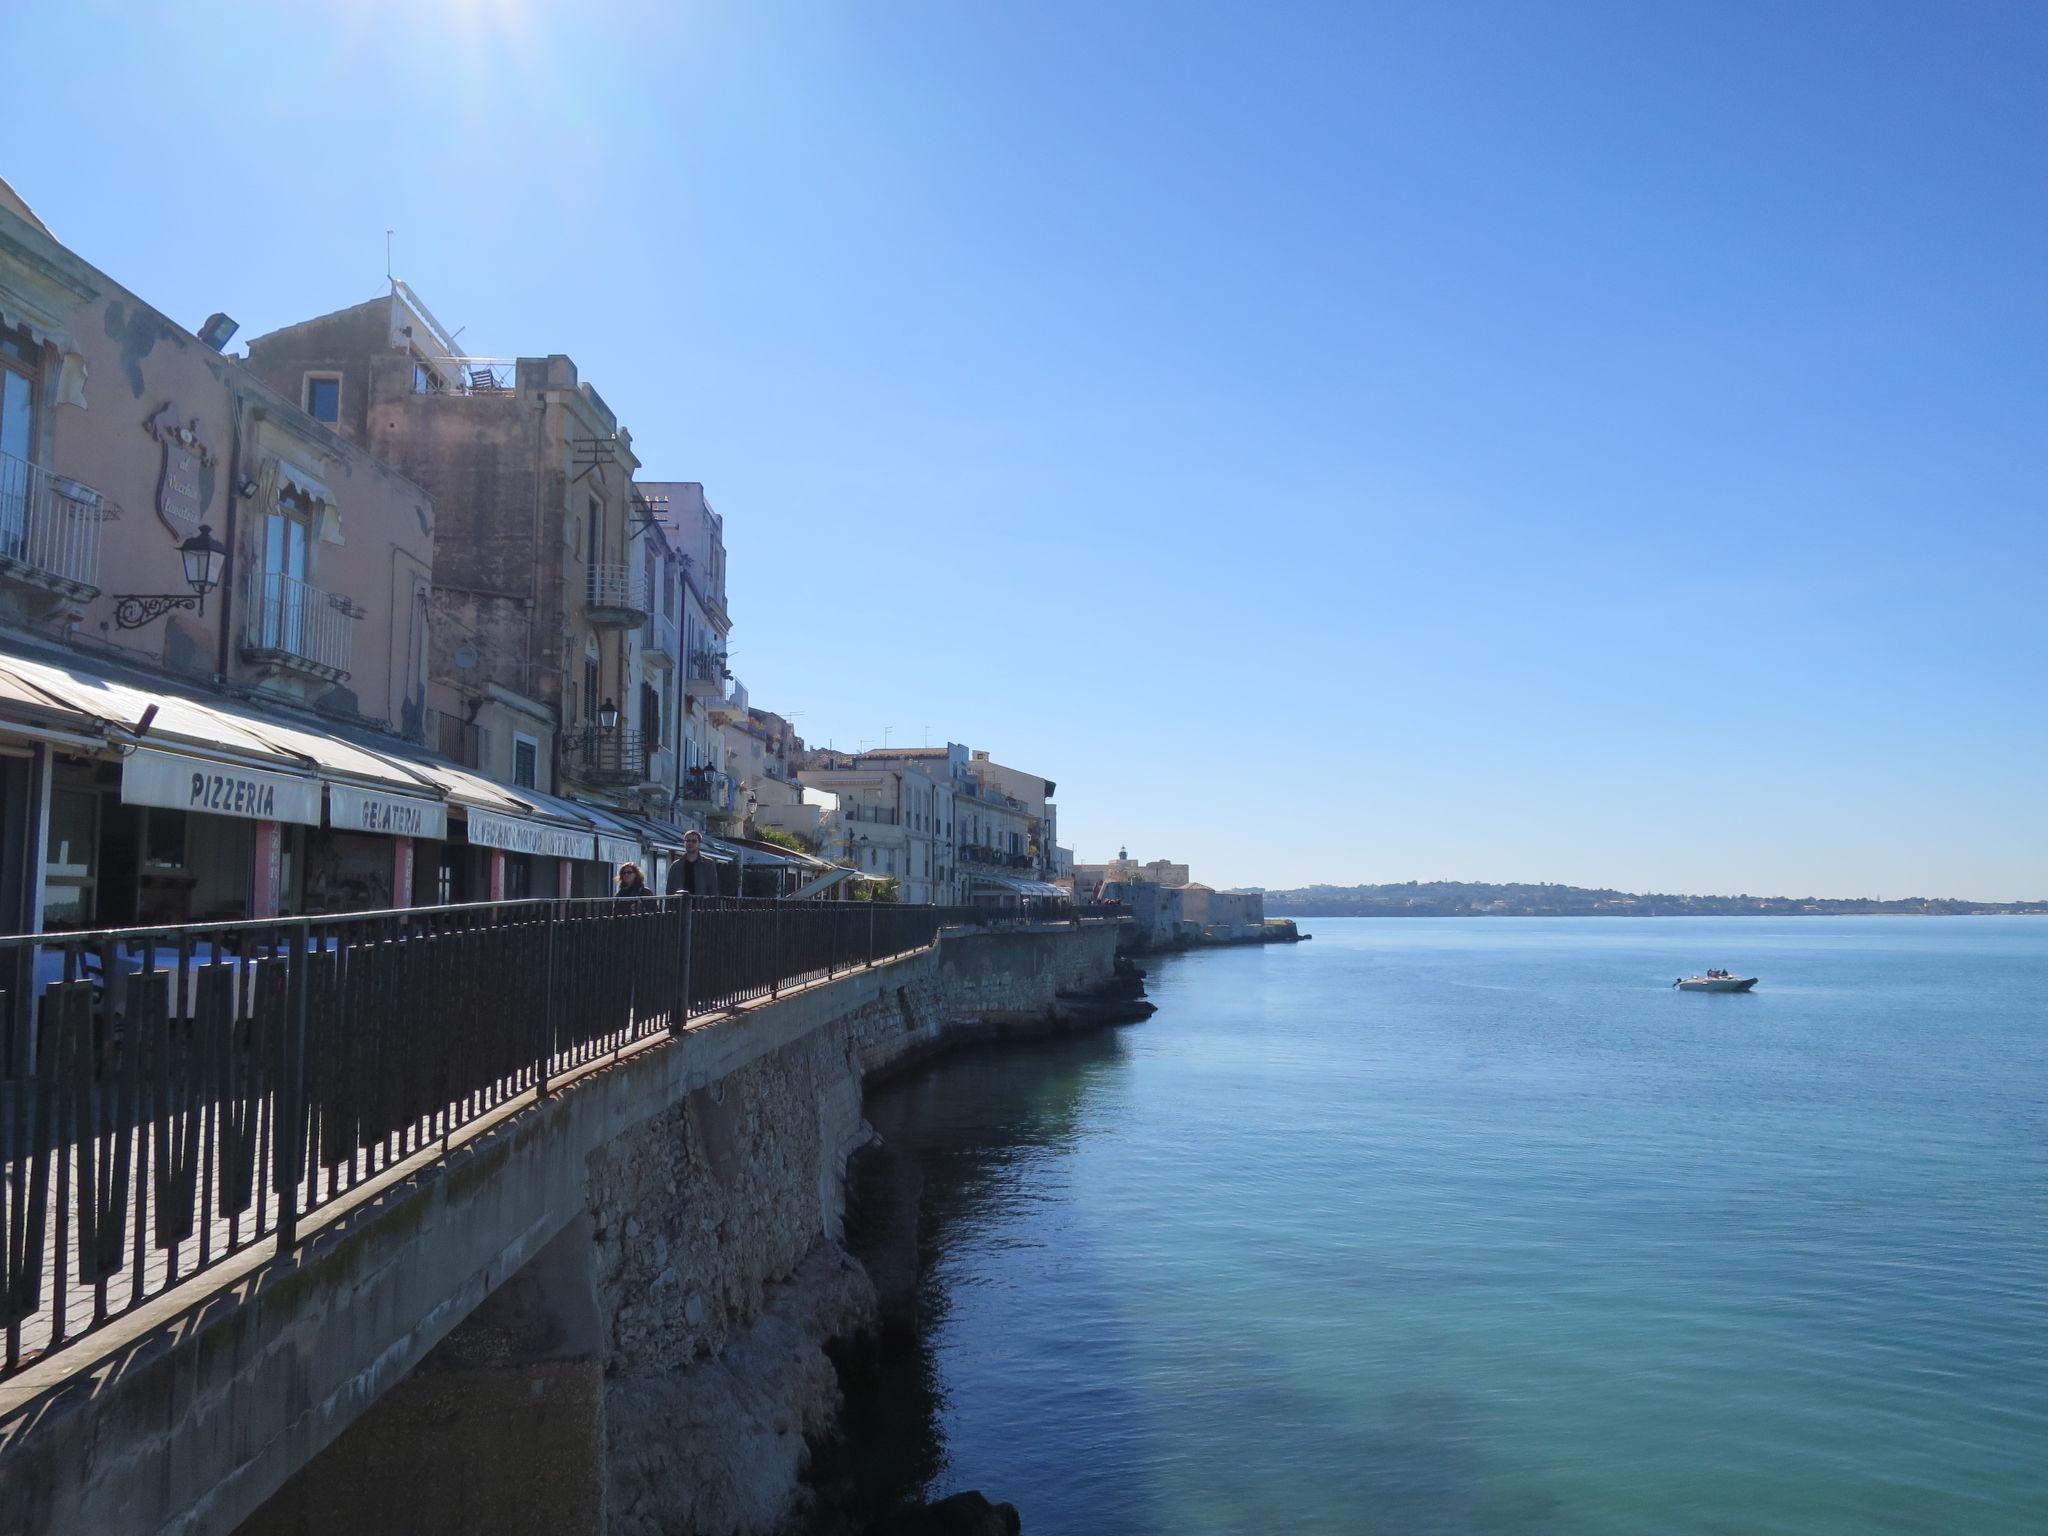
884, 1189
961, 1514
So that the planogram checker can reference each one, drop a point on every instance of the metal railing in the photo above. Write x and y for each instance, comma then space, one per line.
658, 636
300, 622
49, 523
618, 753
472, 376
615, 584
706, 785
705, 672
875, 815
170, 1097
999, 858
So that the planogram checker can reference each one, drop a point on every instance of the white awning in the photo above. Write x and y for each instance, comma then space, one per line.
179, 721
367, 790
179, 782
519, 834
292, 478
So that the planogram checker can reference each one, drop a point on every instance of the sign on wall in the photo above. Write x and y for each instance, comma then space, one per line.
184, 487
487, 829
218, 789
367, 810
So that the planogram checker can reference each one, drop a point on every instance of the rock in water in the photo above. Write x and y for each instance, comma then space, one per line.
961, 1514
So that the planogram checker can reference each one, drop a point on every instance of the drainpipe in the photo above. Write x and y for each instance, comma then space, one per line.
228, 572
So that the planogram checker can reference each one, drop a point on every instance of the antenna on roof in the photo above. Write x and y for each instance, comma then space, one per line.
387, 253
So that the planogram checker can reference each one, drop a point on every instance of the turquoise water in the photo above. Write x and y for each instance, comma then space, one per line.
1477, 1226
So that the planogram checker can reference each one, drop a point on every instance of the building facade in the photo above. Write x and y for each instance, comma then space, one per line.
225, 598
696, 535
542, 546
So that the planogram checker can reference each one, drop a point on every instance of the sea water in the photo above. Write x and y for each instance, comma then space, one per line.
1477, 1226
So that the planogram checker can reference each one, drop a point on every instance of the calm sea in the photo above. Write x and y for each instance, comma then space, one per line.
1478, 1227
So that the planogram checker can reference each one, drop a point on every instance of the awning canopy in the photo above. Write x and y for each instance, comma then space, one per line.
1020, 886
753, 853
292, 478
225, 747
613, 839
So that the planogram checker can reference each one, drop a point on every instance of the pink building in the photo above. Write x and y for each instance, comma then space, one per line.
175, 533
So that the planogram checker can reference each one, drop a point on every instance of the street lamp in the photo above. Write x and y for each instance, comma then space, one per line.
203, 556
608, 716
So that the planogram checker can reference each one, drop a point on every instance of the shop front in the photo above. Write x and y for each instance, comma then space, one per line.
523, 855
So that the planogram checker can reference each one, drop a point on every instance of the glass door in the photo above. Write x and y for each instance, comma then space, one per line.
18, 365
284, 583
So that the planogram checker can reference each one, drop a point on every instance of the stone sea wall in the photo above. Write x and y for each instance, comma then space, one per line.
661, 1366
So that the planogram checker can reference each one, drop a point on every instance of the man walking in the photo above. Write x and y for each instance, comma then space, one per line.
692, 874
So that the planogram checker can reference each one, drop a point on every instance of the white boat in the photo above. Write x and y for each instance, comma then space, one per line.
1714, 981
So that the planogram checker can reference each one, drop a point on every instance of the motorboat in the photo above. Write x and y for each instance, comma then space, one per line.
1715, 981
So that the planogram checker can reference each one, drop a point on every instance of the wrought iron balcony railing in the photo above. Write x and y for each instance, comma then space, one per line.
607, 757
704, 675
707, 786
297, 625
49, 528
615, 591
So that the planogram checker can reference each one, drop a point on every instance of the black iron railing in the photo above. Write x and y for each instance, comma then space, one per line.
596, 754
170, 1097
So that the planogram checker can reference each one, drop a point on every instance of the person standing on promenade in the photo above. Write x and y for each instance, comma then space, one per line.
692, 874
631, 882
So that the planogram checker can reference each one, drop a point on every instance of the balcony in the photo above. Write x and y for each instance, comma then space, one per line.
705, 789
875, 815
294, 626
993, 858
49, 531
615, 596
472, 376
704, 677
609, 758
659, 646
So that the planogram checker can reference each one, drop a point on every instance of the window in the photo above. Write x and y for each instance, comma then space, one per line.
323, 396
163, 839
283, 598
19, 356
593, 535
525, 761
590, 690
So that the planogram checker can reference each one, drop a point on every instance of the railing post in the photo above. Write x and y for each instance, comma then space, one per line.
547, 1015
775, 949
287, 1136
682, 1014
871, 933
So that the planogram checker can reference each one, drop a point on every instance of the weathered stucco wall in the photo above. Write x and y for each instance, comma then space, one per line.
700, 1183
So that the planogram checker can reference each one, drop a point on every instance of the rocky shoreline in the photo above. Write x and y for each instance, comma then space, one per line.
885, 1188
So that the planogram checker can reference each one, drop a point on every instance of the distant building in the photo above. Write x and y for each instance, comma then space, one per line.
540, 597
892, 821
696, 534
1224, 914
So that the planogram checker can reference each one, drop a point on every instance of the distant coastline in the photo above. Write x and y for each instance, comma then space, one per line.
1458, 898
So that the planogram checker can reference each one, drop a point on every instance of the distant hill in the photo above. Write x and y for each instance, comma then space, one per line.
1461, 898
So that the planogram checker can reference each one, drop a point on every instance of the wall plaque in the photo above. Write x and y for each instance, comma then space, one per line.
184, 487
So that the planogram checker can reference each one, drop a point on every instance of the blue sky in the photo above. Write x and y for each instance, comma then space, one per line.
1596, 443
